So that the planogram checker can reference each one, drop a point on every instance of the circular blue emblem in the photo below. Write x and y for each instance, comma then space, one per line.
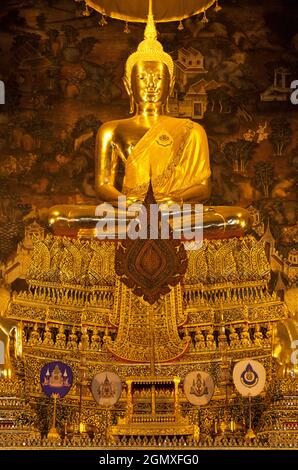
56, 377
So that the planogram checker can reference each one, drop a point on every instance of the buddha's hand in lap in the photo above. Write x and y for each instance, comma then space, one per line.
133, 200
167, 202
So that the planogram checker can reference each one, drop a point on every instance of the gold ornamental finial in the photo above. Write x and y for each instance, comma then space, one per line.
150, 30
150, 49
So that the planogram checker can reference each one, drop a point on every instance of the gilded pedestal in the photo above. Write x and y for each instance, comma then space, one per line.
76, 309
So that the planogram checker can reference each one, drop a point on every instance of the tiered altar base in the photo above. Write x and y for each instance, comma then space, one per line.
77, 310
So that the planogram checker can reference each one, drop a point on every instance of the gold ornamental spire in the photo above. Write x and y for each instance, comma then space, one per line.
150, 30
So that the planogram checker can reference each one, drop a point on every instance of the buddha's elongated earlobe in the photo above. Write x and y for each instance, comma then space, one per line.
129, 92
171, 93
172, 86
167, 105
131, 104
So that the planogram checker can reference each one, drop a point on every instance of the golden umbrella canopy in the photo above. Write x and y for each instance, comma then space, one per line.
163, 10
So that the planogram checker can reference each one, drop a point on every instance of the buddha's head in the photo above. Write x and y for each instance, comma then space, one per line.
150, 82
149, 72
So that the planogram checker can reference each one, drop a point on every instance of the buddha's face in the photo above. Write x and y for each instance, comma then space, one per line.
150, 82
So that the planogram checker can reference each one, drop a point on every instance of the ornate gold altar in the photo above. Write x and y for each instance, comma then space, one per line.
77, 310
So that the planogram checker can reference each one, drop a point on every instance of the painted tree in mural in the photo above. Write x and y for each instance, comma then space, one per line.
273, 209
220, 100
86, 45
12, 94
11, 224
37, 129
239, 153
245, 100
12, 19
280, 136
83, 134
84, 125
26, 38
263, 179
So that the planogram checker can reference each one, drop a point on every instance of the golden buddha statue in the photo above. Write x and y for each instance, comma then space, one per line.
285, 337
151, 147
6, 327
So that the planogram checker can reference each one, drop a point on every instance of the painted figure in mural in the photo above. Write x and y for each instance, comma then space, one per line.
171, 153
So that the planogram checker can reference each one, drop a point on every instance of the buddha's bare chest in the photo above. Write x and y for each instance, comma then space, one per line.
126, 137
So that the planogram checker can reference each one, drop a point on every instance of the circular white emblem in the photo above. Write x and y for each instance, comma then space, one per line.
249, 377
198, 387
106, 388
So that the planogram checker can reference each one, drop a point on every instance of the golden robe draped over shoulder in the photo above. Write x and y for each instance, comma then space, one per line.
173, 154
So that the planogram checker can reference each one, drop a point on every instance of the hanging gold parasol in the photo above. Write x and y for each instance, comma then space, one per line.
163, 10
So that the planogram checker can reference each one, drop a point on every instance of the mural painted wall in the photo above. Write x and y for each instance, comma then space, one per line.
62, 73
